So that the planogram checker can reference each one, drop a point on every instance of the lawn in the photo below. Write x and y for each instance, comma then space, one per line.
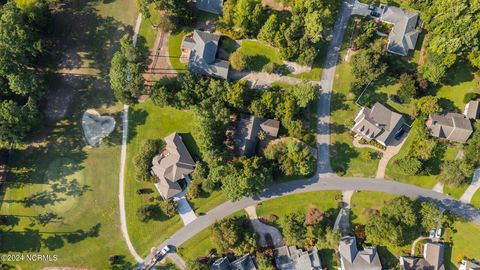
322, 200
465, 240
175, 50
148, 121
202, 243
317, 67
260, 54
146, 28
476, 200
363, 202
62, 197
344, 157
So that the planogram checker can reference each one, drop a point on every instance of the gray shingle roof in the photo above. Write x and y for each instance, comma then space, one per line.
403, 36
291, 258
212, 6
432, 259
203, 46
171, 165
472, 109
467, 265
379, 123
451, 126
247, 131
353, 259
244, 263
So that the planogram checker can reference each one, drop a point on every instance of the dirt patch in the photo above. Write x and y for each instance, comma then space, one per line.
275, 5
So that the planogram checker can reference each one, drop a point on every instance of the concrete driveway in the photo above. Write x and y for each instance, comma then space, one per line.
474, 186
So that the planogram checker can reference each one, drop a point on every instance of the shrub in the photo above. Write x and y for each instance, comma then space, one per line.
143, 159
169, 208
410, 165
239, 60
313, 216
470, 96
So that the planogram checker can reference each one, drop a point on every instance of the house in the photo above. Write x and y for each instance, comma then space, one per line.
353, 259
451, 126
432, 258
472, 109
403, 36
212, 6
378, 123
291, 258
203, 48
172, 164
246, 262
467, 265
247, 132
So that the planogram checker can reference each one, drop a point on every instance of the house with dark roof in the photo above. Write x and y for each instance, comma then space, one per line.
203, 48
451, 126
172, 164
472, 109
432, 259
378, 123
403, 36
212, 6
353, 259
291, 258
248, 130
468, 265
246, 262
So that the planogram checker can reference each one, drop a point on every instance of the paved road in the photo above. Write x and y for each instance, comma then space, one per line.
328, 75
316, 184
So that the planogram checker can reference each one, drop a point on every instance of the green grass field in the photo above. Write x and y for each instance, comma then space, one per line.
62, 198
147, 30
260, 54
175, 50
344, 157
476, 200
202, 243
148, 121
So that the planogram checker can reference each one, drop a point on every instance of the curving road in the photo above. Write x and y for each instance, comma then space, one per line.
325, 179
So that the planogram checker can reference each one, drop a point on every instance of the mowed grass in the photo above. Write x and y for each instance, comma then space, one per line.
59, 175
260, 54
147, 30
465, 240
460, 80
323, 200
175, 50
344, 157
365, 203
476, 199
202, 243
148, 121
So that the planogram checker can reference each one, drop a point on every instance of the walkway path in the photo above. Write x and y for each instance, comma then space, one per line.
389, 154
263, 229
342, 222
328, 75
262, 80
123, 156
438, 187
474, 186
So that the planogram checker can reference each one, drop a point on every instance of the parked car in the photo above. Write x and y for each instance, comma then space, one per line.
372, 8
375, 14
438, 234
165, 250
432, 233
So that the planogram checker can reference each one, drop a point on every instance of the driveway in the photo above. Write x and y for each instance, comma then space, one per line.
185, 211
263, 229
474, 186
328, 75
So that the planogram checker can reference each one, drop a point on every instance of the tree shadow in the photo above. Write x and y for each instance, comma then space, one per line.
53, 242
119, 262
369, 98
342, 153
448, 105
9, 220
256, 62
79, 235
432, 165
338, 102
28, 240
136, 117
191, 145
70, 188
388, 260
42, 199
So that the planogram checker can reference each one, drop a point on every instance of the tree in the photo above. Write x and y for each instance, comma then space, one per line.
295, 128
148, 212
381, 231
235, 94
431, 216
169, 207
433, 70
428, 105
22, 86
196, 265
248, 17
410, 165
143, 158
160, 95
313, 26
294, 229
450, 174
332, 238
246, 177
126, 72
292, 157
407, 91
239, 60
313, 216
226, 234
269, 29
264, 262
367, 34
304, 93
368, 65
